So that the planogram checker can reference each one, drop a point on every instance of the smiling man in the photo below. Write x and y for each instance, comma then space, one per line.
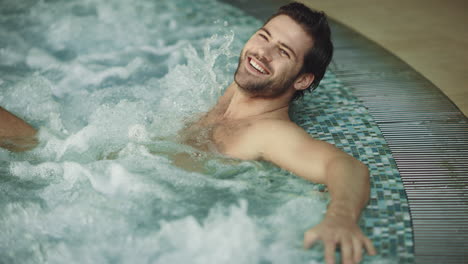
285, 57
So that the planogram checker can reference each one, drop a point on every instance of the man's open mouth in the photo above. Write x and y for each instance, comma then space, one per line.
259, 68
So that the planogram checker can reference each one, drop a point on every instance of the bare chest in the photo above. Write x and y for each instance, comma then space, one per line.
212, 133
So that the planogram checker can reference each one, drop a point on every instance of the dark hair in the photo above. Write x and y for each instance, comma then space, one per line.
316, 25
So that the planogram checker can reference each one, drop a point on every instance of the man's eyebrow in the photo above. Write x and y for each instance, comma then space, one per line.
266, 31
281, 43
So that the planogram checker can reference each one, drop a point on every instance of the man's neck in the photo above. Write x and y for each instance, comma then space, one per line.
242, 105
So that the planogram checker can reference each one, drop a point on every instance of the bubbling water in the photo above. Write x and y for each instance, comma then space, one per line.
109, 84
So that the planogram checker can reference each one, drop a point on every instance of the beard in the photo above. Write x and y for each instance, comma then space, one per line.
261, 87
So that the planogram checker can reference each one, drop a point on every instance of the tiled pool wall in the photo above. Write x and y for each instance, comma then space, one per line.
333, 114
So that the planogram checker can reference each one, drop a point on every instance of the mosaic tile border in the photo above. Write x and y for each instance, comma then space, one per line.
333, 114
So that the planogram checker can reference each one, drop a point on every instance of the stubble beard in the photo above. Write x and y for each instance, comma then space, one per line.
266, 88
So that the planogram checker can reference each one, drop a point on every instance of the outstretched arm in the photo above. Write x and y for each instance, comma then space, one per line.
348, 183
15, 134
347, 179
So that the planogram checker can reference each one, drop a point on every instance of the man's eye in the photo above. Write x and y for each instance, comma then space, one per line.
284, 52
263, 36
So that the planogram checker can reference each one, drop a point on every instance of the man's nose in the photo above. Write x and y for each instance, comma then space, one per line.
266, 53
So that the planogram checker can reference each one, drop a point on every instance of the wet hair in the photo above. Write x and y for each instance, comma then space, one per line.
316, 25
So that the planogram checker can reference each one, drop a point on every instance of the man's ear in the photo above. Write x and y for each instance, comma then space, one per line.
303, 81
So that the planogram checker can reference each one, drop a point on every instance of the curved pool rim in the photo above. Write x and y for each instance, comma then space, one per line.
426, 132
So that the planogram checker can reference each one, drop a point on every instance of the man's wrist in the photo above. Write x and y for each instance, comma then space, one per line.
342, 210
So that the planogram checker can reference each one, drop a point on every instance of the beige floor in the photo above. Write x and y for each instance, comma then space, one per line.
430, 35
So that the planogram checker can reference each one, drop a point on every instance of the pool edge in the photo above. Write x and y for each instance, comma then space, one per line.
426, 132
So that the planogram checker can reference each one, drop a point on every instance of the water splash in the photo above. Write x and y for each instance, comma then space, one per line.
109, 84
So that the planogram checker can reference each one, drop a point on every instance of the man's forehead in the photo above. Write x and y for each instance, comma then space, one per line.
286, 30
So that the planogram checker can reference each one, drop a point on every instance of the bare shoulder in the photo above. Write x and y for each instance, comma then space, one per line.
264, 135
279, 132
289, 146
285, 133
279, 127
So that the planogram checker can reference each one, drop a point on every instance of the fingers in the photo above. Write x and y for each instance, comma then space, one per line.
369, 247
330, 248
351, 250
357, 250
346, 251
310, 237
351, 245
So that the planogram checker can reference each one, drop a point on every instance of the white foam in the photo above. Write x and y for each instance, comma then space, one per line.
78, 142
79, 75
187, 90
111, 89
164, 50
120, 72
50, 144
138, 133
61, 32
221, 238
13, 48
135, 150
114, 180
38, 58
32, 99
44, 172
10, 57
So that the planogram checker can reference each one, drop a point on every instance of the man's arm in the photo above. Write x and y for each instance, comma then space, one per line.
347, 179
15, 134
348, 184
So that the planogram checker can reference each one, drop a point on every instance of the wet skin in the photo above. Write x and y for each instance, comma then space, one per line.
251, 122
15, 134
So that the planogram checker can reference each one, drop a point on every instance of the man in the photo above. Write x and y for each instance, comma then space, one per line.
287, 56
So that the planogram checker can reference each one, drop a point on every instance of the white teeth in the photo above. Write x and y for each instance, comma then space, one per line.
256, 66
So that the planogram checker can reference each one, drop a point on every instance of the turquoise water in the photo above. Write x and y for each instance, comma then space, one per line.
109, 84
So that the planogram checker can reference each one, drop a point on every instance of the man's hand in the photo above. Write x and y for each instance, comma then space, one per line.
347, 179
340, 231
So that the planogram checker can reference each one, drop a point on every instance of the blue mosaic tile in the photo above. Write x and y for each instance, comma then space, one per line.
333, 114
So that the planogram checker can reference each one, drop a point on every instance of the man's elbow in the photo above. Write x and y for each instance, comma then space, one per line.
362, 168
364, 173
347, 165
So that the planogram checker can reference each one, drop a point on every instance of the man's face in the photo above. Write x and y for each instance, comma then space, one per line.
272, 58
